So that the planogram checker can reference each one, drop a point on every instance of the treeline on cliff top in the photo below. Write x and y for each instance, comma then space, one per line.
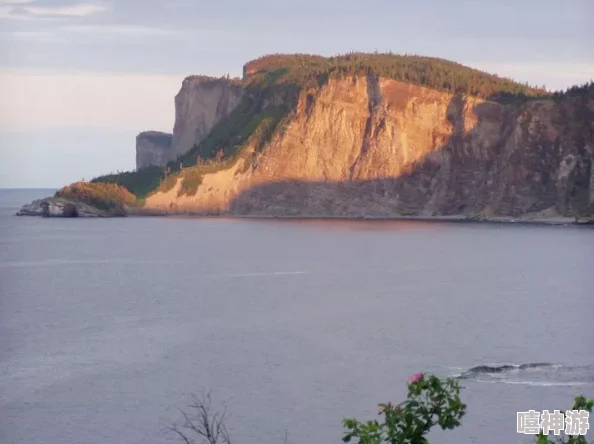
305, 70
291, 73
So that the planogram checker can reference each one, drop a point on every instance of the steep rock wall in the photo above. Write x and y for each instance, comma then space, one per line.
151, 148
365, 146
200, 104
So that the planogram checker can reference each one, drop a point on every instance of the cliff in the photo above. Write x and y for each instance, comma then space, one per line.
396, 137
200, 104
152, 148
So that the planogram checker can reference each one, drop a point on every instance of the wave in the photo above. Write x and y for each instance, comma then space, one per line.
490, 369
547, 383
537, 374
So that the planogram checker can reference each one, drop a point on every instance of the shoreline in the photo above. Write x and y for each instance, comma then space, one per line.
57, 207
553, 221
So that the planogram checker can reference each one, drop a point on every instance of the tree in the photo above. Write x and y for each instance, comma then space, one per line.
430, 401
220, 154
203, 424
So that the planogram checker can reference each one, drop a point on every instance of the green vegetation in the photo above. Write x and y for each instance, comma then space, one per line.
575, 91
248, 122
139, 182
256, 131
209, 80
580, 403
192, 178
304, 71
232, 133
430, 402
105, 196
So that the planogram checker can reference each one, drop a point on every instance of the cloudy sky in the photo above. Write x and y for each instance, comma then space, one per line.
79, 80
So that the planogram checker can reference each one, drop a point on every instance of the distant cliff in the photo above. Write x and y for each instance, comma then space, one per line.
382, 136
200, 104
152, 148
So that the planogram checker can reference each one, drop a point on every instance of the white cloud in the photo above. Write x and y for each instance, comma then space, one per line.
15, 2
80, 10
129, 30
115, 101
27, 10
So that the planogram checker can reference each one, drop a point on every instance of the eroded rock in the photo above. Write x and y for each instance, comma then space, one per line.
58, 207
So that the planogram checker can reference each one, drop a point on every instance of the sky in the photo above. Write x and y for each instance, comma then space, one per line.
79, 79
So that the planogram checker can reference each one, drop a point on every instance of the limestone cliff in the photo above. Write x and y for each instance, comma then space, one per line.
372, 146
151, 148
201, 103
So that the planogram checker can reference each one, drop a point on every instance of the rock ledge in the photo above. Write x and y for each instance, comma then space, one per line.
59, 207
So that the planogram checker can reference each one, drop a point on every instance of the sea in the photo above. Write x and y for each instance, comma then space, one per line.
110, 328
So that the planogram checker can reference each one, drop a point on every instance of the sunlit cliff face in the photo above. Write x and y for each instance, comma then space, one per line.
377, 147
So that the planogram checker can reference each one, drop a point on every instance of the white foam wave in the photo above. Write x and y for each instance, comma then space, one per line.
541, 383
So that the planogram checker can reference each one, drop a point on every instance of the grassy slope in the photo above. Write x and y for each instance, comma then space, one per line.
287, 75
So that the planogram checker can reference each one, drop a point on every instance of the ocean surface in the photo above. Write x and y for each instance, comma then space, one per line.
107, 327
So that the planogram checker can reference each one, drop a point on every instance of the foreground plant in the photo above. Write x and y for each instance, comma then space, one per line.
431, 401
580, 403
203, 423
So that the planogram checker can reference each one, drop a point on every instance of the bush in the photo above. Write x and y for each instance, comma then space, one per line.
580, 403
430, 402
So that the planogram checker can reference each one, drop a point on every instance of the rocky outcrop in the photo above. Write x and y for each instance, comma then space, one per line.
369, 146
58, 207
201, 103
152, 148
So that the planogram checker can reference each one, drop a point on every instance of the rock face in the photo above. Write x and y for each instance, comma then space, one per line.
152, 148
58, 207
200, 104
369, 146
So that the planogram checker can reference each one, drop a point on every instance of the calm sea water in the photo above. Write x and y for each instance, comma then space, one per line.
108, 326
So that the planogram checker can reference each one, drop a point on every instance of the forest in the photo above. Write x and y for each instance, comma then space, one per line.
303, 71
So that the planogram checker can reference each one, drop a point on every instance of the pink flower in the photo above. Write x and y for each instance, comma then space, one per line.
416, 377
